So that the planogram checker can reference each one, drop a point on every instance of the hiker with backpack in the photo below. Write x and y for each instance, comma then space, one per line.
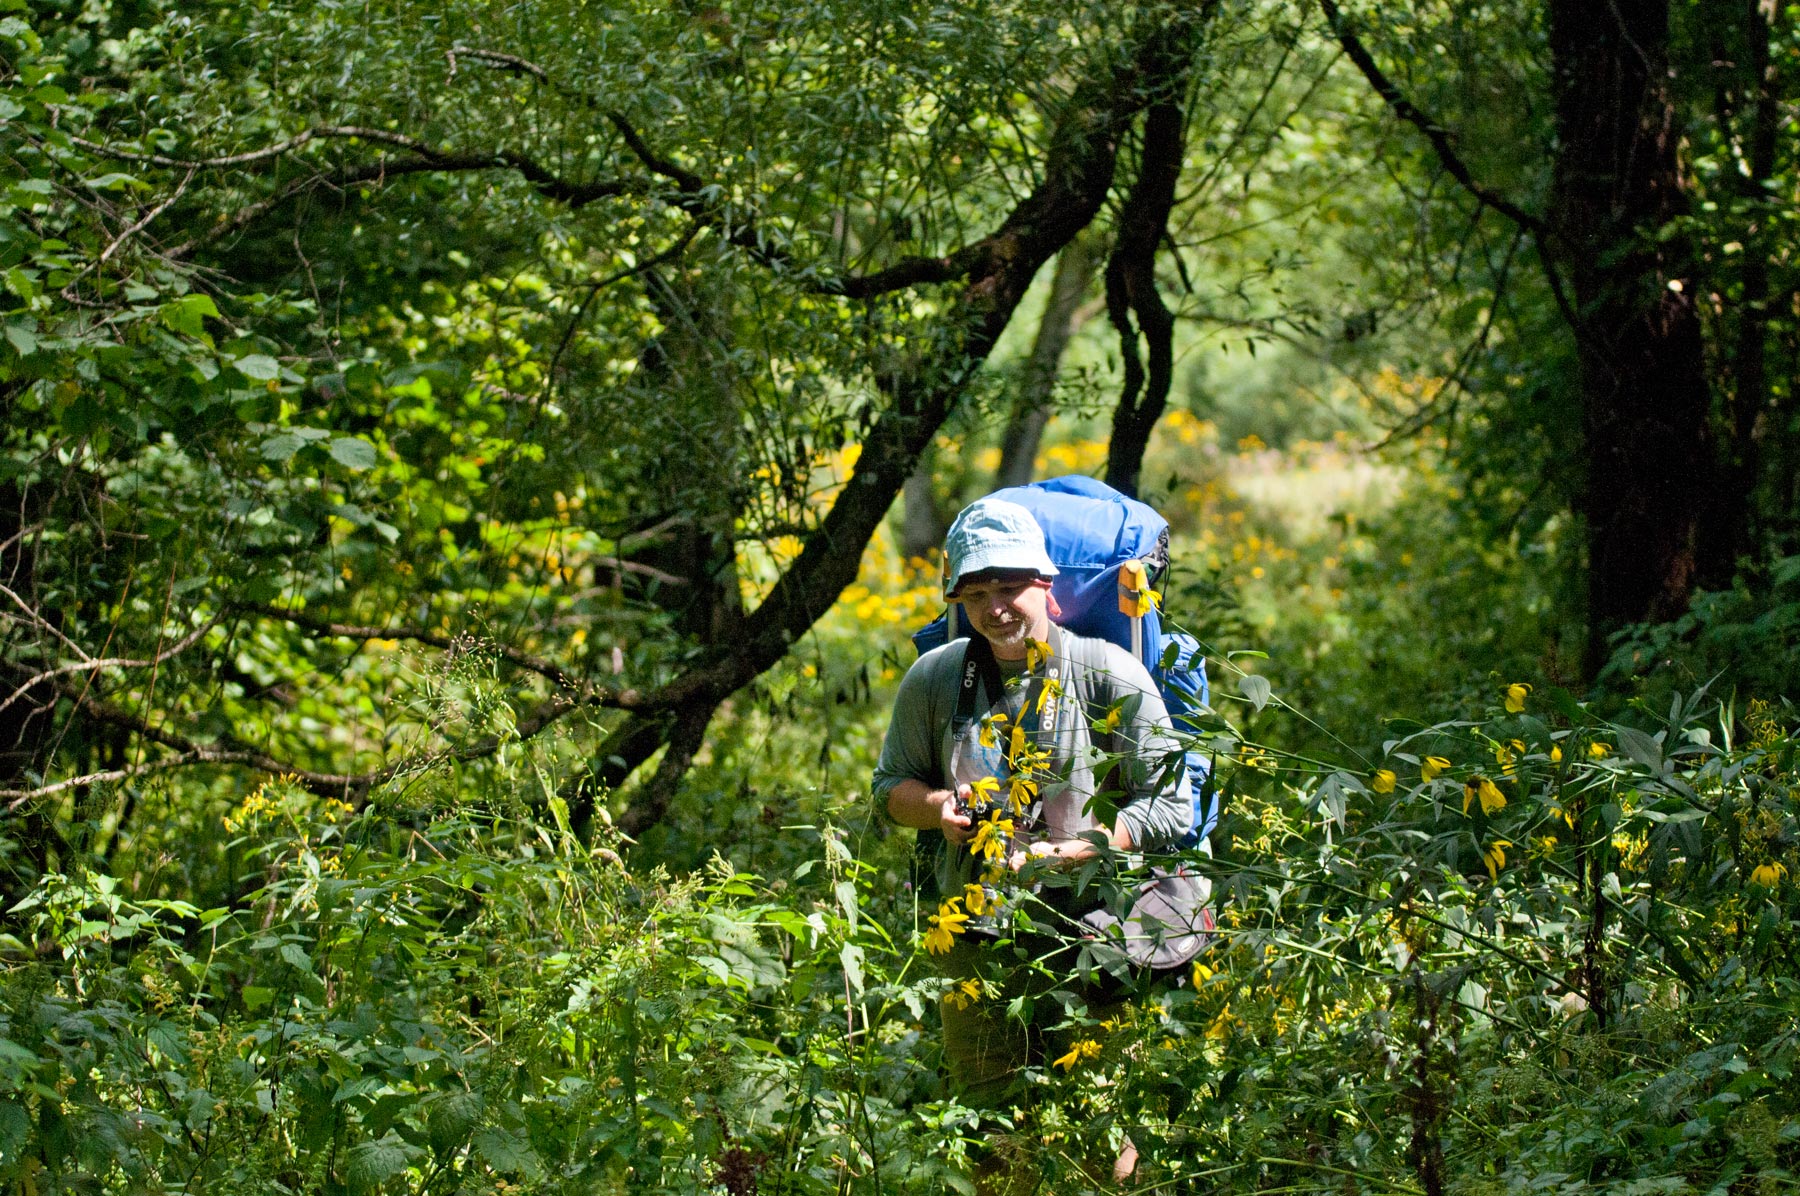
1020, 749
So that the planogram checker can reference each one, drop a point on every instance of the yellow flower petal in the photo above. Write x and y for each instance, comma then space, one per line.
1515, 697
1432, 767
1768, 875
1383, 780
1081, 1051
1495, 858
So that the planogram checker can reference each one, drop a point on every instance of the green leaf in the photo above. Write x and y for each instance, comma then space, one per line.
15, 1130
352, 452
1640, 747
297, 957
114, 181
505, 1151
852, 959
258, 366
185, 315
280, 448
1256, 688
372, 1163
452, 1119
22, 339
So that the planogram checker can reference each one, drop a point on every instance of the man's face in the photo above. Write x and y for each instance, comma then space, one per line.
1009, 610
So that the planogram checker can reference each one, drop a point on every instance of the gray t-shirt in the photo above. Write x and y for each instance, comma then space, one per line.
1155, 806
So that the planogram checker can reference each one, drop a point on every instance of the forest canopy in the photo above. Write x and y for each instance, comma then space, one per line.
468, 474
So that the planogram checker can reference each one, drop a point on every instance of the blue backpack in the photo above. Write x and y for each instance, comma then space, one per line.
1091, 532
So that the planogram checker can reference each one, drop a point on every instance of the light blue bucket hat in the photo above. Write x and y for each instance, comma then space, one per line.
992, 533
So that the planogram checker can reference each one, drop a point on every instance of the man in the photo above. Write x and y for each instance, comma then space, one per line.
1023, 750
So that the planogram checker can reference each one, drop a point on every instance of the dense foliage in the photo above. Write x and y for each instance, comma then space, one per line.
468, 472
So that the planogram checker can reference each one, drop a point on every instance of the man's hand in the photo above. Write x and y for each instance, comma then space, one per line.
951, 820
918, 805
1066, 853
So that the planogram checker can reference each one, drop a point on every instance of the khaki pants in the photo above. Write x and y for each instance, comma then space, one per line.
986, 1050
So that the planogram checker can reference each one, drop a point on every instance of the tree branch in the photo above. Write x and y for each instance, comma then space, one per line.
1434, 132
448, 643
116, 662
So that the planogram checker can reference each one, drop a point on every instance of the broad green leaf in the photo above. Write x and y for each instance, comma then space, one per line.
370, 1164
258, 366
281, 447
186, 314
352, 452
852, 958
1256, 688
452, 1119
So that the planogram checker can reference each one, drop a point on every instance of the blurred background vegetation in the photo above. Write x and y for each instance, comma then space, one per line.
469, 474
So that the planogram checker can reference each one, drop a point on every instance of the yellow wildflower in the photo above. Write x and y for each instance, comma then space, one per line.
1017, 746
1495, 858
982, 792
1383, 780
1110, 722
1433, 766
1021, 791
990, 839
963, 995
1036, 652
1555, 754
1542, 846
986, 734
976, 899
1079, 1053
1052, 689
946, 924
1492, 800
1221, 1025
1515, 697
1202, 973
1598, 751
1768, 875
1154, 598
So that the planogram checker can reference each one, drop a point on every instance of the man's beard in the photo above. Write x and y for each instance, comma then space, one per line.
1013, 634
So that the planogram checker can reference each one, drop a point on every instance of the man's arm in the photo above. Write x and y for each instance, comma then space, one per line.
914, 803
908, 776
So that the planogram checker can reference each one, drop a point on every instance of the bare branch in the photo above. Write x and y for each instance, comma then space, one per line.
33, 619
68, 291
116, 662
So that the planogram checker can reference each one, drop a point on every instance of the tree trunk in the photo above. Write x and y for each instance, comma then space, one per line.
1075, 267
1131, 290
922, 523
1645, 401
1739, 514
